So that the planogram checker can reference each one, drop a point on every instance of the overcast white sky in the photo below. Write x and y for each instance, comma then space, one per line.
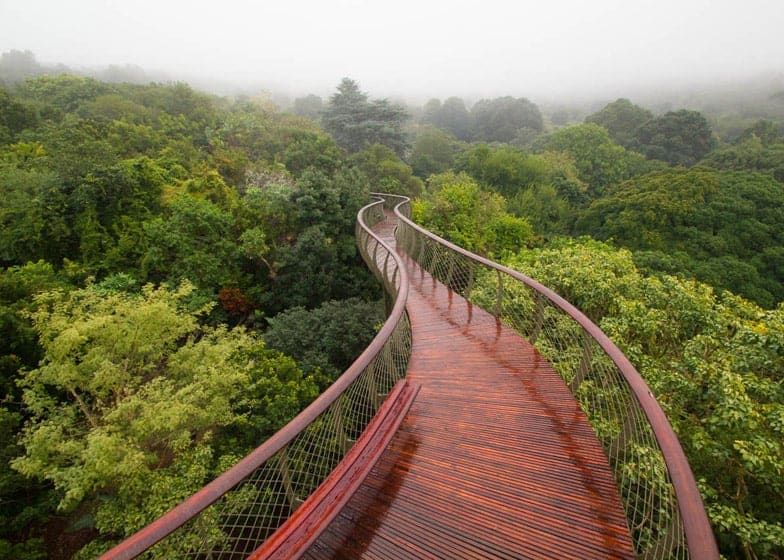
411, 47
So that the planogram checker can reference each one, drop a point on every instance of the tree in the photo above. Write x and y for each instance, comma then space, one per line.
317, 268
600, 162
309, 106
24, 501
455, 118
679, 138
727, 225
386, 172
543, 207
502, 118
621, 118
310, 149
768, 133
750, 154
452, 116
73, 147
110, 202
134, 401
327, 338
15, 116
194, 243
457, 209
66, 92
433, 151
354, 122
505, 169
33, 216
563, 175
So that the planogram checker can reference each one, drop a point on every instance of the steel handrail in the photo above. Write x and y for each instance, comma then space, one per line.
700, 541
395, 281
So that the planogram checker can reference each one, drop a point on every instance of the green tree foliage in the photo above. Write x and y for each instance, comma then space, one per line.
457, 209
501, 119
451, 116
679, 138
133, 400
108, 200
726, 226
332, 201
73, 147
714, 362
542, 188
309, 106
751, 153
564, 176
65, 93
767, 132
386, 172
272, 138
317, 260
433, 151
543, 207
18, 341
328, 338
33, 216
600, 162
505, 169
15, 116
24, 500
194, 242
354, 121
621, 118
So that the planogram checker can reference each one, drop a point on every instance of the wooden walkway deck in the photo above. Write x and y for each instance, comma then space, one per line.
495, 459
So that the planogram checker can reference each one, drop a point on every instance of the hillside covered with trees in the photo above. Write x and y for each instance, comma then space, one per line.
179, 278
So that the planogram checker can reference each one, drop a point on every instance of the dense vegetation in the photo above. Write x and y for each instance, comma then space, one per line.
159, 245
148, 235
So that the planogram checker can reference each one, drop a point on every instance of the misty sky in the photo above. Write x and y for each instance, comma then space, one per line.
411, 47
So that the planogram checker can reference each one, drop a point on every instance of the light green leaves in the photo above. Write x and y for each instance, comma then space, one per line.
133, 396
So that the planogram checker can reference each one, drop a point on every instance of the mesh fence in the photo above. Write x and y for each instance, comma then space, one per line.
238, 522
593, 376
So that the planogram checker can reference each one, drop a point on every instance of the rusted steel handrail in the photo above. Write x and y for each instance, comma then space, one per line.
665, 512
232, 515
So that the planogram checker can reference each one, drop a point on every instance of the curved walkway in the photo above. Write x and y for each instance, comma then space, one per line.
495, 459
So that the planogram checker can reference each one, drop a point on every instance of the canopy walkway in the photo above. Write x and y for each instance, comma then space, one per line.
488, 419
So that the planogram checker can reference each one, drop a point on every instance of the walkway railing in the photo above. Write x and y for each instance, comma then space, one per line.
230, 517
664, 510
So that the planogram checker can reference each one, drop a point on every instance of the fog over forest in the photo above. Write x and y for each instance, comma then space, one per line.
559, 50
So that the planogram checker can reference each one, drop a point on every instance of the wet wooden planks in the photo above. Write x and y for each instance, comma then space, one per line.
494, 460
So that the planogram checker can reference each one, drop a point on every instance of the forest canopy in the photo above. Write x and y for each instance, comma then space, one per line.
150, 235
179, 276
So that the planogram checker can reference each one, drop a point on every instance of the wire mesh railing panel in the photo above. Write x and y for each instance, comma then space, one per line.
642, 451
233, 515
